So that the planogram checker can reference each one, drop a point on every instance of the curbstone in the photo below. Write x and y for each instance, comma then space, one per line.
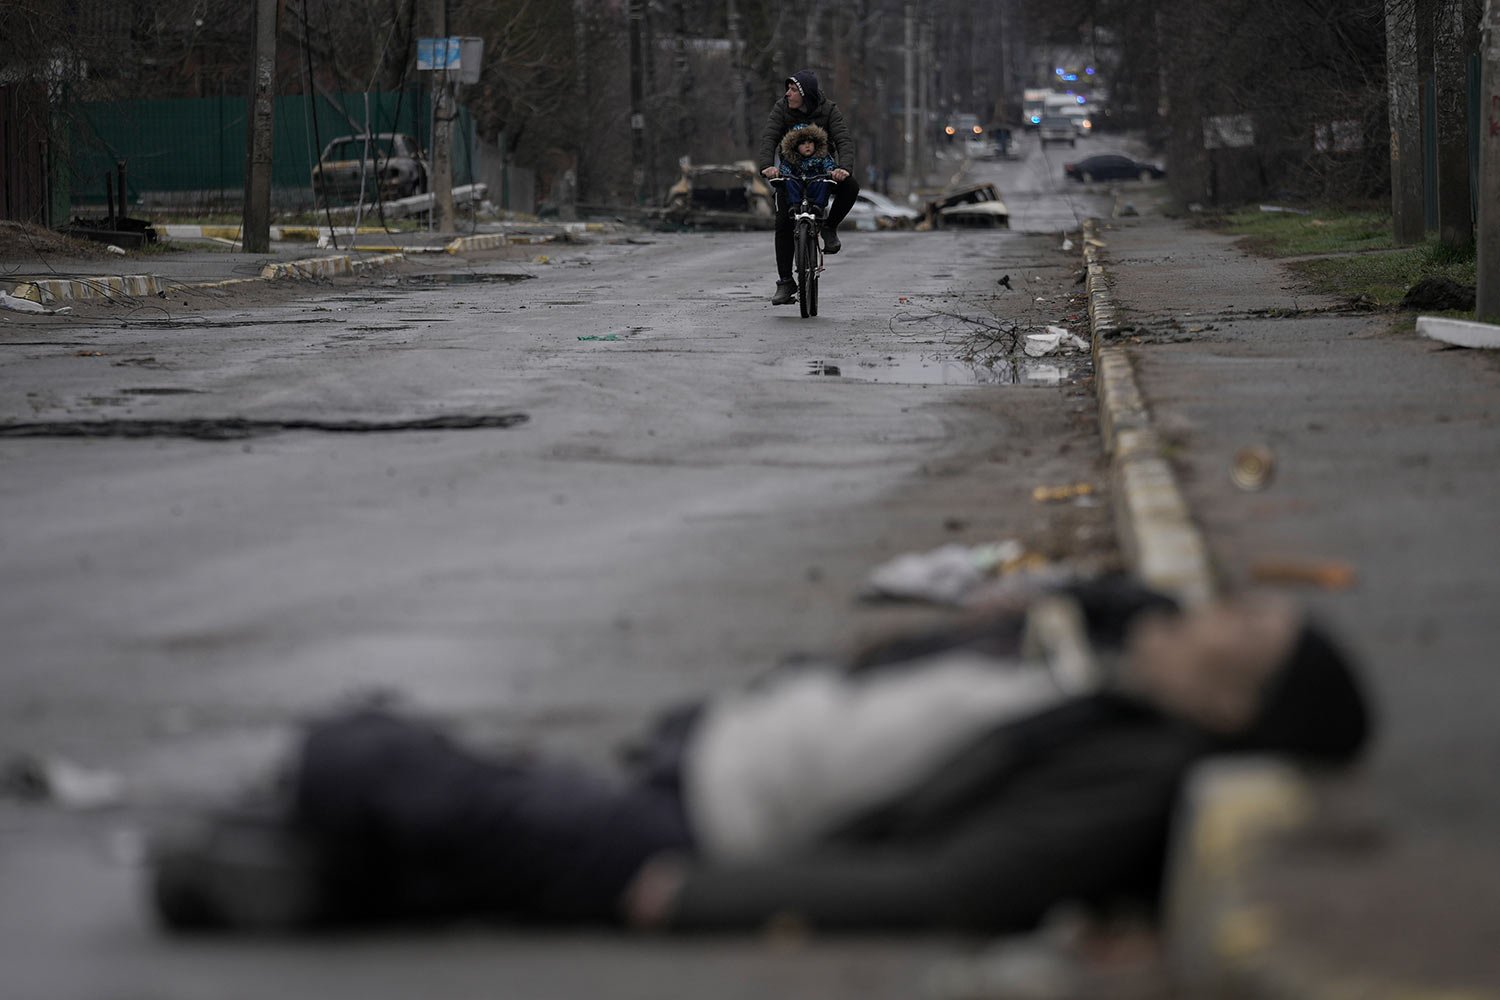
78, 289
51, 290
328, 267
1156, 529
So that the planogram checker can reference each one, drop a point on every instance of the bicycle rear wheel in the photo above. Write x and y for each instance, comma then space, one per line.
804, 261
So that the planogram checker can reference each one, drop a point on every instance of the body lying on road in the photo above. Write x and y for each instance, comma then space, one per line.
939, 780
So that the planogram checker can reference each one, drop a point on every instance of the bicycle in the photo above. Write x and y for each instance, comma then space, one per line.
807, 250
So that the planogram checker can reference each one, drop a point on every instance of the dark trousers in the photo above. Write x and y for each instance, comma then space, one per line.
844, 194
413, 825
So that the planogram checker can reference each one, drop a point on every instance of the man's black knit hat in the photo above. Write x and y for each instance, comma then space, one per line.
1313, 706
806, 82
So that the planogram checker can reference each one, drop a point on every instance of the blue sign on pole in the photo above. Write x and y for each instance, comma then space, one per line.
437, 53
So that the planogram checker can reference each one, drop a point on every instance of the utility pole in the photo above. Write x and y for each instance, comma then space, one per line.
924, 97
1488, 305
1451, 55
908, 103
637, 117
581, 88
1406, 129
740, 112
442, 125
255, 222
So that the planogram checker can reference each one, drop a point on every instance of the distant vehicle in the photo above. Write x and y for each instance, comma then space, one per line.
1034, 106
1112, 167
730, 194
1079, 116
396, 168
1058, 128
873, 210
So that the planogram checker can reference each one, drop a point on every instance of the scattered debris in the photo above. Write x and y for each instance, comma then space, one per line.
1067, 245
8, 301
1004, 280
1326, 574
1288, 211
1253, 468
1057, 494
944, 575
1040, 345
1438, 293
53, 779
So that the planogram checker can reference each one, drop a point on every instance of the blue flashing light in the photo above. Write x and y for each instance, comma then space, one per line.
1089, 70
1036, 119
1059, 71
1082, 99
1070, 76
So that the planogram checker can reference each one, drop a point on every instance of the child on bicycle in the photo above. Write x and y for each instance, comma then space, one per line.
804, 154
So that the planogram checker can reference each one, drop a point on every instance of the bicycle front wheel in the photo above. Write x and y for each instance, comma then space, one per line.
806, 263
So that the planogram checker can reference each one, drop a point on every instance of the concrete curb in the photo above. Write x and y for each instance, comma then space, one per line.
181, 231
1156, 530
151, 285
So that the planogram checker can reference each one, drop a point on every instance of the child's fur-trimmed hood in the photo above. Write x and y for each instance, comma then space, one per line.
796, 136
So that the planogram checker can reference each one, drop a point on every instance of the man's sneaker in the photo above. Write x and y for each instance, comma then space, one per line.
831, 242
786, 292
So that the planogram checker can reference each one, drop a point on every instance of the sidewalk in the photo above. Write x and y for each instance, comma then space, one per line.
200, 257
1381, 515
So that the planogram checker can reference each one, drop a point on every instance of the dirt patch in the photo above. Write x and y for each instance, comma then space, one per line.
21, 241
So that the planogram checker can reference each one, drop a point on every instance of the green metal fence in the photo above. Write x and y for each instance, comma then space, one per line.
198, 144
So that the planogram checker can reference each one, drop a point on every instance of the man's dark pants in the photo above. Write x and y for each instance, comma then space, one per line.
844, 194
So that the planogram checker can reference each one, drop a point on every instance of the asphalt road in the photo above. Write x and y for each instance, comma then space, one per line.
686, 504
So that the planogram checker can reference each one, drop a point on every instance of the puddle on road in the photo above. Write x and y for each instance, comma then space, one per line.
928, 370
463, 278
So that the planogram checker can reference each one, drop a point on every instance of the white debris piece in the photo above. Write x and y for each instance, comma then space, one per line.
8, 301
1459, 332
943, 575
1040, 345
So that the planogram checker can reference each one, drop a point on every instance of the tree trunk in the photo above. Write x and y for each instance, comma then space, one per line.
1451, 55
1488, 308
1406, 129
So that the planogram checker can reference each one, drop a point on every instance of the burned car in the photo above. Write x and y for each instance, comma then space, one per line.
978, 206
725, 194
396, 167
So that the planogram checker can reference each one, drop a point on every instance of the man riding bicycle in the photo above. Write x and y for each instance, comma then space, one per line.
804, 105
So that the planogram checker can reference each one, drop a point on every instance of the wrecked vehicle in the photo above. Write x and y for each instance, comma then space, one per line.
721, 194
873, 210
396, 168
978, 206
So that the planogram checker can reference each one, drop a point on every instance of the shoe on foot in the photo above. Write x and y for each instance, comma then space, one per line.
786, 292
235, 869
831, 242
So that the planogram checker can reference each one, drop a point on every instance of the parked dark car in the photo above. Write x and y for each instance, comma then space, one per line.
1112, 167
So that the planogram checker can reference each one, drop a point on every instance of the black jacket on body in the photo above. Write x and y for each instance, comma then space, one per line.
822, 113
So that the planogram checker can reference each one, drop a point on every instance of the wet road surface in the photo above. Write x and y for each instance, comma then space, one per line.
693, 495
